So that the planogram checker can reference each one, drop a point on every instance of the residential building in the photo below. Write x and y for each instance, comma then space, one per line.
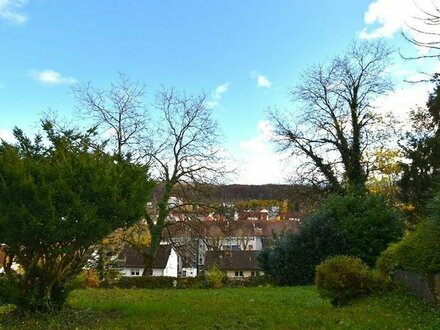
235, 264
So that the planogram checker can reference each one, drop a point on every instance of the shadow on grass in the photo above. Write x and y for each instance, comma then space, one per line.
67, 318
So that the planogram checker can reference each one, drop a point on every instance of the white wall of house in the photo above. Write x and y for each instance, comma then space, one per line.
132, 272
171, 267
189, 272
258, 244
242, 273
157, 272
253, 243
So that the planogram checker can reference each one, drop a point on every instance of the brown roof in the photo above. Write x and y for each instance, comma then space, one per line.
232, 260
161, 258
254, 215
134, 259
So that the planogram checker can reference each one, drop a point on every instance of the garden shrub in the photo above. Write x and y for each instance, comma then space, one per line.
419, 251
293, 258
191, 282
360, 225
146, 282
214, 277
368, 223
343, 279
9, 293
88, 278
160, 282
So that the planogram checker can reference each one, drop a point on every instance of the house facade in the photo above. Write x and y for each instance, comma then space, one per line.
166, 262
235, 264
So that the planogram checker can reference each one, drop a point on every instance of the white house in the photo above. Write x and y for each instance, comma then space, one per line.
165, 263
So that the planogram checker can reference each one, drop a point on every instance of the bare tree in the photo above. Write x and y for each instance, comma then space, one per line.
424, 32
181, 144
119, 111
335, 119
184, 156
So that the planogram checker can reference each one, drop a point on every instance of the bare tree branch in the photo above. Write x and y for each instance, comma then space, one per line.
335, 115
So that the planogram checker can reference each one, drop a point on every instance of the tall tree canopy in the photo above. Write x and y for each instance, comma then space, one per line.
335, 121
58, 197
422, 148
182, 147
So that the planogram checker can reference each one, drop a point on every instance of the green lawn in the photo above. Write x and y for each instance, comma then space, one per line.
245, 308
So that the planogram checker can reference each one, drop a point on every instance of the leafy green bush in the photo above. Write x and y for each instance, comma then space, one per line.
342, 279
59, 195
293, 258
368, 223
419, 251
358, 225
191, 282
214, 277
9, 293
88, 278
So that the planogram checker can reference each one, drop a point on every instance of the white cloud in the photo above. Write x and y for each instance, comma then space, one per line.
262, 80
390, 15
260, 163
7, 135
385, 18
217, 95
223, 88
404, 99
9, 11
51, 77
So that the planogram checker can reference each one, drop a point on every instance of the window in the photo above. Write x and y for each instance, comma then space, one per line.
238, 273
134, 272
255, 273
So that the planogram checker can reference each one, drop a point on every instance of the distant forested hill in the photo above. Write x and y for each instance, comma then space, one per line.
298, 197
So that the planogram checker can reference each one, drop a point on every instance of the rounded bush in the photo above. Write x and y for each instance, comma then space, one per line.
342, 279
214, 277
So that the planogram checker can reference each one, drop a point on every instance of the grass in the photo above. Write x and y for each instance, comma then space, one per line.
244, 308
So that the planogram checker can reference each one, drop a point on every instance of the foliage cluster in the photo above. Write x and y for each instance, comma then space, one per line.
421, 174
359, 225
419, 251
57, 199
145, 282
343, 279
214, 277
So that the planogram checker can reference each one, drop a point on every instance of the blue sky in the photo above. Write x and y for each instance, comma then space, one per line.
245, 54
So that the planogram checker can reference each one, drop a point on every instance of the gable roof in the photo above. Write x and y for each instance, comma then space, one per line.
232, 260
135, 260
161, 258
